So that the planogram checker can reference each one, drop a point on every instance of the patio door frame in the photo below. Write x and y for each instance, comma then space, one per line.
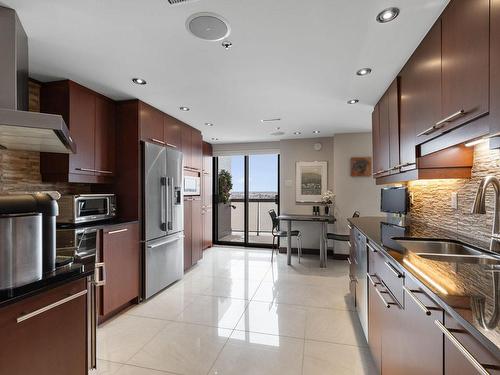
246, 203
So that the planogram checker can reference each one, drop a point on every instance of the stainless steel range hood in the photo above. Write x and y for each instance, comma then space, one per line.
19, 128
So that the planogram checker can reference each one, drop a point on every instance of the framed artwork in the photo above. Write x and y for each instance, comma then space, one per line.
361, 167
311, 181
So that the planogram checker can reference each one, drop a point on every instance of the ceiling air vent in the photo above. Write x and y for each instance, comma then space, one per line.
174, 2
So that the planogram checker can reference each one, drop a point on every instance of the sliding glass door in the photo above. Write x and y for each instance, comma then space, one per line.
242, 211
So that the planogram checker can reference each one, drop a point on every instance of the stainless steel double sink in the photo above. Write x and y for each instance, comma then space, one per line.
447, 251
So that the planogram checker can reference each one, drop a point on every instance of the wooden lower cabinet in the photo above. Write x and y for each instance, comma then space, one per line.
188, 232
121, 256
52, 342
376, 311
193, 231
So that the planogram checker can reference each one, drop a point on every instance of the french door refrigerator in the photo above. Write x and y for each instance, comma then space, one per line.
163, 217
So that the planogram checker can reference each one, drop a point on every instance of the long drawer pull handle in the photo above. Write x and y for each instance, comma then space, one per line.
349, 243
30, 315
379, 294
157, 141
428, 131
85, 169
373, 282
450, 118
165, 242
349, 260
417, 301
118, 231
372, 249
100, 282
393, 270
171, 145
472, 360
349, 226
105, 172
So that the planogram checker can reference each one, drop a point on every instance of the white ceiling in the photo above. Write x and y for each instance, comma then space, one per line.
291, 59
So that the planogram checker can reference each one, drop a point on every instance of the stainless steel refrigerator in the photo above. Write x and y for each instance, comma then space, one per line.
163, 217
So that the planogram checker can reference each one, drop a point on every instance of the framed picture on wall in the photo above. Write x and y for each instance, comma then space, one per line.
311, 181
361, 166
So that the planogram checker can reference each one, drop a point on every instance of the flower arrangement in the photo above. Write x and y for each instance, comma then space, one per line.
328, 197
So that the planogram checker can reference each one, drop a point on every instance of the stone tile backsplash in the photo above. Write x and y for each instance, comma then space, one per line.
432, 198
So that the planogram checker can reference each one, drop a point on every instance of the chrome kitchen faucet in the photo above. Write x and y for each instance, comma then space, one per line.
479, 207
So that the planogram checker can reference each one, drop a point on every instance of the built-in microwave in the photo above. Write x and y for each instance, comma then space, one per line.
85, 208
192, 185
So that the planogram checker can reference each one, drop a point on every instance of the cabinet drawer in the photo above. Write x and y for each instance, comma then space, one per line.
388, 273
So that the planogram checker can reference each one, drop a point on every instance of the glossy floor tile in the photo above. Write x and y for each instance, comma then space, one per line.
236, 313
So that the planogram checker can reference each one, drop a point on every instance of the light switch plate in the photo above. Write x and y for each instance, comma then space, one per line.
454, 200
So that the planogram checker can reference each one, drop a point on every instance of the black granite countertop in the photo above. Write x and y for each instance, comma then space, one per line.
48, 281
467, 291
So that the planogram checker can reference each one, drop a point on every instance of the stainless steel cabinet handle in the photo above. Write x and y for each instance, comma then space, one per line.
472, 360
370, 278
393, 270
104, 172
98, 281
171, 145
118, 231
349, 226
349, 260
379, 294
165, 242
372, 249
157, 141
85, 169
30, 315
450, 118
428, 131
417, 301
349, 243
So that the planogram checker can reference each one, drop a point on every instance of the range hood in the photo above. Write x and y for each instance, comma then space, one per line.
19, 128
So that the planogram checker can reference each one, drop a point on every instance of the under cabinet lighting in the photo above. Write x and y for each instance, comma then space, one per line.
476, 142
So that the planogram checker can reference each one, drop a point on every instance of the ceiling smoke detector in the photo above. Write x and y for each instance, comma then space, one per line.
208, 26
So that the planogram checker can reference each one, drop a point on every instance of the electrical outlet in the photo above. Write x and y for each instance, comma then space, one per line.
454, 200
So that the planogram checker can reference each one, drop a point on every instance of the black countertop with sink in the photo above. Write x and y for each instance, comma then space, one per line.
466, 290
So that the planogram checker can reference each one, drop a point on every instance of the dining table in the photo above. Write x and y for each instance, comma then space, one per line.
324, 220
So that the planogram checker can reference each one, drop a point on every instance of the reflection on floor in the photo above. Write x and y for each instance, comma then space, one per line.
253, 238
234, 313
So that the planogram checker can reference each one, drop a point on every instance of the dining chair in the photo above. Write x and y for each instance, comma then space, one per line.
277, 233
339, 237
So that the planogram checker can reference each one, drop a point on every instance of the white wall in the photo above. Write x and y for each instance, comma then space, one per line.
292, 151
246, 148
352, 193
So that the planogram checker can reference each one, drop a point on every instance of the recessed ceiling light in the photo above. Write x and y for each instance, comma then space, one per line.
209, 124
352, 101
215, 139
139, 81
364, 71
270, 119
316, 132
185, 109
297, 133
387, 15
227, 44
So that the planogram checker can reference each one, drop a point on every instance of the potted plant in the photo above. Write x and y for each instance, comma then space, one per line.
225, 186
328, 198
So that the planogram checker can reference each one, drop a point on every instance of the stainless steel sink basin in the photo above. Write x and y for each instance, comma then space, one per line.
447, 251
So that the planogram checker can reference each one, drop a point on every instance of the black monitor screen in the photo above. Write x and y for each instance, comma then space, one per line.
394, 200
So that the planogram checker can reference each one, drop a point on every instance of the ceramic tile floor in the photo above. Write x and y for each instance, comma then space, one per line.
235, 313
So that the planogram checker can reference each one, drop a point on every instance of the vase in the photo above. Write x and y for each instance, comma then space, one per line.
327, 210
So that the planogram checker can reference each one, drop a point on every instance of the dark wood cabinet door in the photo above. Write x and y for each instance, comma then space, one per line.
376, 139
197, 230
104, 137
207, 227
52, 342
151, 124
421, 91
121, 256
197, 150
421, 338
172, 132
495, 72
454, 360
393, 108
188, 249
187, 145
376, 312
384, 131
465, 63
82, 128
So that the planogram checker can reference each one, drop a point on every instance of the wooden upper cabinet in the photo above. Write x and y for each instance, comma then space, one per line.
393, 108
196, 150
105, 133
465, 61
186, 145
151, 124
172, 132
384, 129
495, 72
420, 87
197, 230
376, 139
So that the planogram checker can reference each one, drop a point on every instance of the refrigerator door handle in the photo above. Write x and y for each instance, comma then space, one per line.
163, 187
166, 242
170, 197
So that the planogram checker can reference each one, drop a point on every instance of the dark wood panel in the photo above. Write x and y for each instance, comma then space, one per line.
452, 157
376, 139
54, 342
172, 131
121, 254
495, 71
105, 137
384, 131
197, 230
465, 63
207, 214
151, 123
188, 233
207, 194
187, 145
196, 150
375, 325
393, 107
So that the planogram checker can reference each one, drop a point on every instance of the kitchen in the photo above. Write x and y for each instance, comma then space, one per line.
181, 211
